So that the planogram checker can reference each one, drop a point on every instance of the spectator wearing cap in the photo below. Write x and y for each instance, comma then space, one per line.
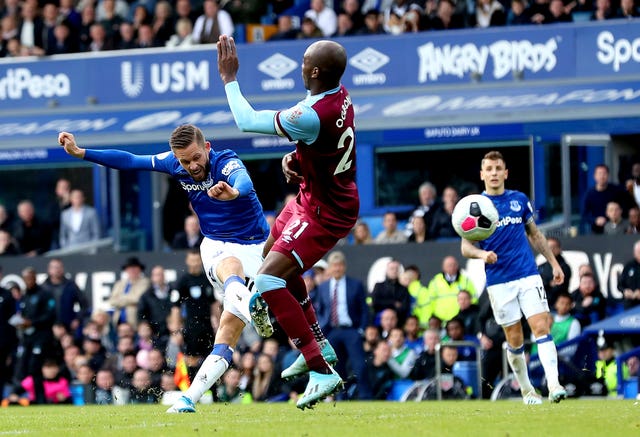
127, 291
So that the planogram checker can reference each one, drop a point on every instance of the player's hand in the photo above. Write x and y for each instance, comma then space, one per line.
600, 221
290, 168
228, 63
223, 191
68, 141
490, 257
558, 276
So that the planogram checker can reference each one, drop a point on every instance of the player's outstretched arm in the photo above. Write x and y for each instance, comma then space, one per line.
470, 250
228, 63
68, 141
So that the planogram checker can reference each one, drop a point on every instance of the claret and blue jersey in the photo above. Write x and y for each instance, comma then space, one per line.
509, 241
238, 221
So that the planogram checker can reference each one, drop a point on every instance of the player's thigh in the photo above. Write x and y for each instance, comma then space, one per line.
504, 302
532, 297
215, 252
305, 240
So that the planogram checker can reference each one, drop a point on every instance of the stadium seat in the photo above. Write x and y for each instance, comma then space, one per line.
468, 372
398, 389
630, 387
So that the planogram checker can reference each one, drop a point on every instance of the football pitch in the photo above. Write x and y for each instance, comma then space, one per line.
582, 418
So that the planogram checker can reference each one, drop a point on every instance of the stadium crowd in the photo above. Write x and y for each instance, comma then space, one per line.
57, 349
49, 27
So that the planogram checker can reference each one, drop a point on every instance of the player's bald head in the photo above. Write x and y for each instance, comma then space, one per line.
330, 57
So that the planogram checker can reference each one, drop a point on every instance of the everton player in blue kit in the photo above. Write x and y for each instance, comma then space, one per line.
231, 220
513, 282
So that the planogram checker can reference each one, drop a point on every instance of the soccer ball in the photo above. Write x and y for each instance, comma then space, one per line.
475, 217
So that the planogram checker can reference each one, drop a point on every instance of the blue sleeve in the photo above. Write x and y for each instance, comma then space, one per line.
248, 119
528, 210
300, 123
120, 160
241, 181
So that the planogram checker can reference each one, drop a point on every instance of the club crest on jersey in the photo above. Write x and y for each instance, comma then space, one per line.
515, 206
230, 167
294, 114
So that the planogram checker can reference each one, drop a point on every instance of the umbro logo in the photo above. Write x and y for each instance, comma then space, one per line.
369, 60
277, 66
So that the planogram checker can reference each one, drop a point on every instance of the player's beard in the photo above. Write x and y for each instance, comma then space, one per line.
203, 174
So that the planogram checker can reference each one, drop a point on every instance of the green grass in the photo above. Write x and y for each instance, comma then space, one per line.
608, 418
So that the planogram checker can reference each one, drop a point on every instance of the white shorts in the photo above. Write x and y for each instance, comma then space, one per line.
214, 251
512, 299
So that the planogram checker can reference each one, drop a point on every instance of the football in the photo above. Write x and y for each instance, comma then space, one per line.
475, 217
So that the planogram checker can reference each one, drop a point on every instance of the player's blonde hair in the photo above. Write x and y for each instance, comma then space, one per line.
183, 136
494, 155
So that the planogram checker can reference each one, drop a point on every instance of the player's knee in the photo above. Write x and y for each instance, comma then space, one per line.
224, 351
266, 282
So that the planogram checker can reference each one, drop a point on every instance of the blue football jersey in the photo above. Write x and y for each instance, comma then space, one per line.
509, 241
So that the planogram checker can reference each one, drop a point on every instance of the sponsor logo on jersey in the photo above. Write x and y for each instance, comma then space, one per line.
230, 167
508, 220
369, 61
277, 66
164, 77
515, 206
197, 186
20, 81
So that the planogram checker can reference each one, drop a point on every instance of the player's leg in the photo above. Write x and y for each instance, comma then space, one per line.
533, 301
506, 310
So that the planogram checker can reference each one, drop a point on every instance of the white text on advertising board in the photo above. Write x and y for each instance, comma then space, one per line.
617, 52
20, 81
506, 56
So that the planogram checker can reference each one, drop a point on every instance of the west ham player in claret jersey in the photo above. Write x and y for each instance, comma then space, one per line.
513, 282
234, 228
325, 209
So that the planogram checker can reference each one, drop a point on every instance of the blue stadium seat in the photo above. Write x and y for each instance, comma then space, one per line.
581, 16
630, 387
468, 372
399, 387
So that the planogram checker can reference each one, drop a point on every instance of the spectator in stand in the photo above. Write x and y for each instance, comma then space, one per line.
154, 305
190, 237
343, 314
163, 24
49, 21
124, 375
419, 232
6, 221
141, 16
184, 34
446, 17
212, 23
428, 205
309, 29
380, 374
421, 299
15, 49
267, 384
65, 41
32, 234
31, 30
394, 15
71, 304
362, 233
518, 14
596, 198
105, 382
86, 379
634, 221
372, 23
127, 39
94, 351
126, 292
590, 304
390, 293
10, 7
245, 11
615, 224
607, 368
56, 386
8, 31
539, 11
425, 364
98, 39
412, 332
8, 338
558, 13
390, 234
352, 9
345, 26
8, 245
324, 17
444, 288
79, 223
184, 10
546, 272
230, 392
603, 11
142, 391
629, 10
371, 338
157, 366
441, 226
388, 321
455, 332
629, 281
67, 12
564, 327
195, 305
146, 38
38, 314
402, 356
115, 361
633, 183
111, 19
490, 13
286, 30
469, 313
88, 19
